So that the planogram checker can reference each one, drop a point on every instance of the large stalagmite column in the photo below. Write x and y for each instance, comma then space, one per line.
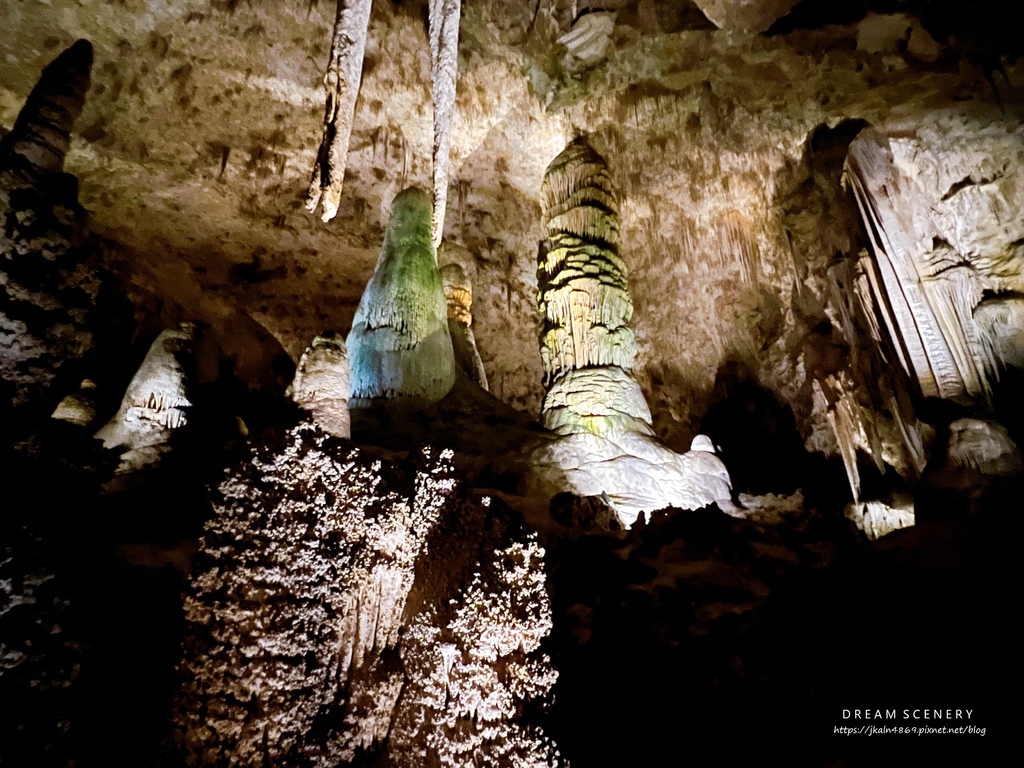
399, 346
48, 291
605, 445
587, 345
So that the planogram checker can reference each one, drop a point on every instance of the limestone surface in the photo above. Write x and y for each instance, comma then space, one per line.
458, 291
49, 285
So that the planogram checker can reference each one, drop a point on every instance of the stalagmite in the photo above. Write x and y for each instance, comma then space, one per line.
48, 286
344, 608
322, 386
458, 291
79, 407
155, 403
399, 346
444, 64
41, 136
605, 445
341, 82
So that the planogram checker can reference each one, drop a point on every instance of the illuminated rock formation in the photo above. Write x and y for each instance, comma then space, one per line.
458, 291
322, 386
581, 278
155, 403
48, 288
443, 20
79, 407
41, 136
399, 346
590, 37
342, 606
341, 82
605, 445
946, 262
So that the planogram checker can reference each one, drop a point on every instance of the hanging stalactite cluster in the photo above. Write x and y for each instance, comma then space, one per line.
341, 84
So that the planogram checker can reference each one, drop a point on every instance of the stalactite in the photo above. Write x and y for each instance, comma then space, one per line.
341, 83
444, 64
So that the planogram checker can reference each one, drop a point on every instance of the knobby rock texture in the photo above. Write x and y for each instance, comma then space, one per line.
343, 607
50, 286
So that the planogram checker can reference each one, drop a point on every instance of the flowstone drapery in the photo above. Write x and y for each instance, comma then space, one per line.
344, 606
49, 287
605, 444
945, 258
399, 346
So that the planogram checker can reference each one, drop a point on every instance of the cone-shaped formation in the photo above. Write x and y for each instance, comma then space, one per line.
48, 287
458, 291
343, 605
155, 403
39, 140
444, 64
399, 346
322, 386
341, 82
581, 279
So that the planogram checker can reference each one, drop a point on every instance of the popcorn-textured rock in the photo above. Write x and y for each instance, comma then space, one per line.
399, 346
48, 286
342, 605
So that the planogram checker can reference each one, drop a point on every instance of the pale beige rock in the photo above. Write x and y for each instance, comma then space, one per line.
321, 385
458, 292
745, 15
79, 407
156, 402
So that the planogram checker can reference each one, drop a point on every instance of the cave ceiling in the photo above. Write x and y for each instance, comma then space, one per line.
195, 147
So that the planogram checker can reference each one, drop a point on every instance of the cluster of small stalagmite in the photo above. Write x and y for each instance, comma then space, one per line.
605, 444
336, 613
49, 287
399, 346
